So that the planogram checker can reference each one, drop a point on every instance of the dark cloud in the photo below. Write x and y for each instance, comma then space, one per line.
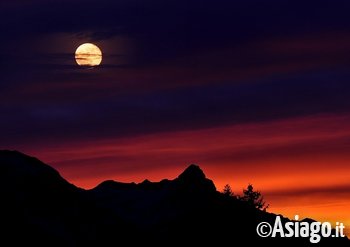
166, 29
183, 108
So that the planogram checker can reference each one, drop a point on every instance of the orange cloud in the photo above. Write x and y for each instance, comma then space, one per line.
299, 164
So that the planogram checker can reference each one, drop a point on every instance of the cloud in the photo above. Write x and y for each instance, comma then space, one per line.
340, 190
171, 66
103, 106
266, 151
163, 30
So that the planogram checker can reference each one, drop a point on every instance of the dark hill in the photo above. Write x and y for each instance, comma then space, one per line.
40, 208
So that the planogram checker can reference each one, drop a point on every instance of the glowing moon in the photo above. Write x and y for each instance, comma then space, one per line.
88, 54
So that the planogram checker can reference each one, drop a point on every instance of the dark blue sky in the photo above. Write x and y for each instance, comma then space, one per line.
168, 65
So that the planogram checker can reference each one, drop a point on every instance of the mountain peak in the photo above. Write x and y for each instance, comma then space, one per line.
20, 164
193, 178
192, 172
23, 172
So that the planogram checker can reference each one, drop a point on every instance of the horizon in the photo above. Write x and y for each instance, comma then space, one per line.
253, 92
287, 209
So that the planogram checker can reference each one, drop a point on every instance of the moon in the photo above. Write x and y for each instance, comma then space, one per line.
89, 55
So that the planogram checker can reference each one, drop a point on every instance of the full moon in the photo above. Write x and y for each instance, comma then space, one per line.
88, 54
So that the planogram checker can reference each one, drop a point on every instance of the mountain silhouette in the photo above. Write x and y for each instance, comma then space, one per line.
38, 207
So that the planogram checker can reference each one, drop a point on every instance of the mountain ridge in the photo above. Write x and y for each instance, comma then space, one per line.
45, 208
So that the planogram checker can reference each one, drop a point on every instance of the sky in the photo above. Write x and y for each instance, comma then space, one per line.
251, 91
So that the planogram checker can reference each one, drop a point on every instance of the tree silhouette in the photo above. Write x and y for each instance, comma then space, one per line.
254, 198
227, 191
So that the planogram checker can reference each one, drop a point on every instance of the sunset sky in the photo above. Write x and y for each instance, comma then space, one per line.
251, 91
